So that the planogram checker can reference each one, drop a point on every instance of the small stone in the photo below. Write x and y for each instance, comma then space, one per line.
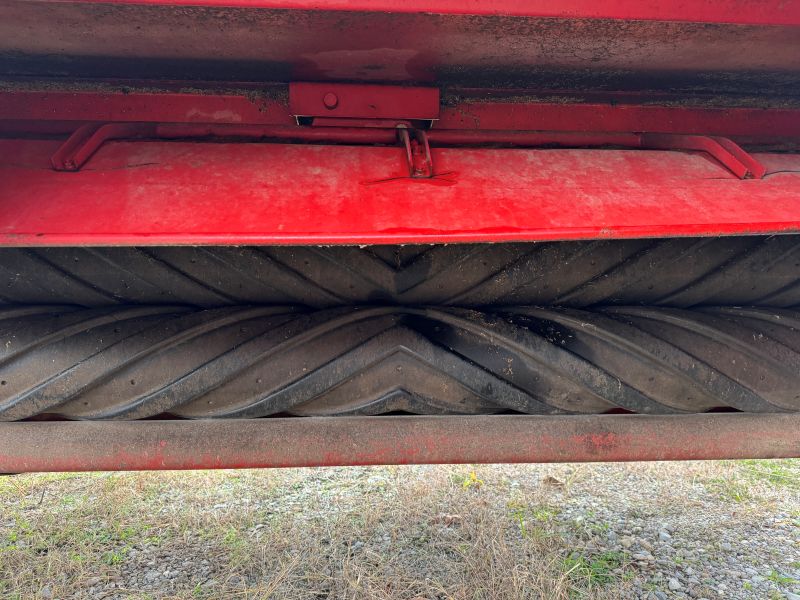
674, 585
664, 536
726, 546
661, 595
46, 593
626, 542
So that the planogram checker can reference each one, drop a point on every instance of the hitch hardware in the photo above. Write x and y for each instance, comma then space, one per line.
418, 152
341, 104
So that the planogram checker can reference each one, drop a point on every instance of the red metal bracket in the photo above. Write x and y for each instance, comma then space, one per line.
372, 105
418, 152
87, 139
723, 150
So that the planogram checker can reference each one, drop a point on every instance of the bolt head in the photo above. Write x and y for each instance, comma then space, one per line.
330, 100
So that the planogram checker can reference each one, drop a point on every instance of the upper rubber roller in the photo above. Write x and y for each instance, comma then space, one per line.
133, 363
681, 272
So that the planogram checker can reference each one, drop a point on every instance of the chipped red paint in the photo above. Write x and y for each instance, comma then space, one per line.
305, 442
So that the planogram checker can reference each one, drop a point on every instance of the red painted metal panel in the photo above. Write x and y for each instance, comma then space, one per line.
329, 441
763, 12
202, 193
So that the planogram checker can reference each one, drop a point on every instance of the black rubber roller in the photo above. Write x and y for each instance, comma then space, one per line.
681, 272
133, 363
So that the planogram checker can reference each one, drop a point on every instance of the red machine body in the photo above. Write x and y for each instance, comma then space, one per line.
152, 123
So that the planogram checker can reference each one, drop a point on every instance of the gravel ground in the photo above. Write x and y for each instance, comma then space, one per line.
646, 531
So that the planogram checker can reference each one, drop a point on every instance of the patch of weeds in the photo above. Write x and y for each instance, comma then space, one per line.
467, 480
518, 513
21, 531
731, 489
779, 579
778, 473
232, 539
114, 557
544, 514
596, 570
540, 515
153, 540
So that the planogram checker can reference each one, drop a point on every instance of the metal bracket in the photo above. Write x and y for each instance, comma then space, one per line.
418, 152
342, 104
87, 139
723, 150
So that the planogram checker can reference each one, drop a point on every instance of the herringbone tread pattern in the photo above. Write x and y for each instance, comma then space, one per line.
138, 362
680, 272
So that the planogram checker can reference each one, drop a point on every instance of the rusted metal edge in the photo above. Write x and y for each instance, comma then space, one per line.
307, 442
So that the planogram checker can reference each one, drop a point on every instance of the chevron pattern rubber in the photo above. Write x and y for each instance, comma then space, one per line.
680, 272
132, 363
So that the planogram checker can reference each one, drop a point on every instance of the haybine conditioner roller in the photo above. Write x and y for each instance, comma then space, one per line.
239, 233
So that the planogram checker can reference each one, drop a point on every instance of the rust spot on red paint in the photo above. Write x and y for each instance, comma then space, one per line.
447, 178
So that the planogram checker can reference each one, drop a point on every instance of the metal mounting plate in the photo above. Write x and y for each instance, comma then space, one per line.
352, 101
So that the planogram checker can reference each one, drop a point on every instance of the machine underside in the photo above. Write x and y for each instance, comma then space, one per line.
273, 234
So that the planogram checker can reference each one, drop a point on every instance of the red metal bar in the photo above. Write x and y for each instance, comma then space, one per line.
620, 117
765, 12
328, 441
54, 106
88, 139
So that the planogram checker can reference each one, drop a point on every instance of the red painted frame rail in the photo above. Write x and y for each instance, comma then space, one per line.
62, 110
306, 442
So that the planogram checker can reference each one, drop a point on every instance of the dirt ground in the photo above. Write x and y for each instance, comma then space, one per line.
653, 531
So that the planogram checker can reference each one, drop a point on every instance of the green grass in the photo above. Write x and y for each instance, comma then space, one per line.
595, 570
779, 579
777, 473
729, 488
747, 480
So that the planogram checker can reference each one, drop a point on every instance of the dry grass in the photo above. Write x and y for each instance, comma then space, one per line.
440, 532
